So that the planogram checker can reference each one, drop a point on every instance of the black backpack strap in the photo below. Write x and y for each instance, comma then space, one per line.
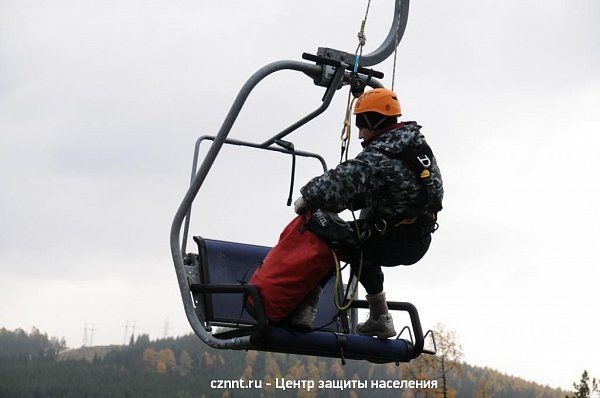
420, 159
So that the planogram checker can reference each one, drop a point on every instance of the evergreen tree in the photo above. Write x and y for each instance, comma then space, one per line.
582, 390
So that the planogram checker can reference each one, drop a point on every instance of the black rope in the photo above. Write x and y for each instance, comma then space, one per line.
341, 341
242, 281
334, 319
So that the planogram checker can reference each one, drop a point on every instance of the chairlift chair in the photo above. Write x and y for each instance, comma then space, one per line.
211, 280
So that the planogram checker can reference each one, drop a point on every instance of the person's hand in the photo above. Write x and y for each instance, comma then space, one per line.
300, 206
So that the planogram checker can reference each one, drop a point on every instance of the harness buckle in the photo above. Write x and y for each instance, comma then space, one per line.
424, 160
380, 226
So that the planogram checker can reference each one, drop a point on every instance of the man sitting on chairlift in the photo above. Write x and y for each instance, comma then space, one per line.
397, 184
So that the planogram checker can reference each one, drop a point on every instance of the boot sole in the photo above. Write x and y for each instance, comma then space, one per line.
387, 335
301, 327
379, 336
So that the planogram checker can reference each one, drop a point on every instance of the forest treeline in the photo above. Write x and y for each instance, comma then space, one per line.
34, 365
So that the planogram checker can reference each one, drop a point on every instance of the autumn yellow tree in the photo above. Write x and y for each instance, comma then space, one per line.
248, 370
271, 367
207, 360
296, 372
485, 386
337, 370
149, 358
446, 361
165, 360
420, 368
313, 371
161, 367
185, 362
247, 374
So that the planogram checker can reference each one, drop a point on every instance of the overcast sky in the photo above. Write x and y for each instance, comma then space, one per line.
101, 102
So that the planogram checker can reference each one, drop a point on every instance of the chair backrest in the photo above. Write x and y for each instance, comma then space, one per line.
230, 263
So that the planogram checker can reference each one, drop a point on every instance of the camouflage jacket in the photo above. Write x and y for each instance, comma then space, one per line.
381, 185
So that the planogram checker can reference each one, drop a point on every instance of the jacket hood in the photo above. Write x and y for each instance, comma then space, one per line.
396, 138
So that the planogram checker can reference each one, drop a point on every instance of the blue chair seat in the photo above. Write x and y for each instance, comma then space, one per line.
231, 264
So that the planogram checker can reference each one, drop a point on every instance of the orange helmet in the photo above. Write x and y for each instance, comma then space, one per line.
380, 100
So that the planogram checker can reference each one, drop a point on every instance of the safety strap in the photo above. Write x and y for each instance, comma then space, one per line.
419, 160
357, 86
362, 39
346, 301
341, 342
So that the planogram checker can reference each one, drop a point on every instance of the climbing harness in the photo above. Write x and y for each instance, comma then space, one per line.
419, 160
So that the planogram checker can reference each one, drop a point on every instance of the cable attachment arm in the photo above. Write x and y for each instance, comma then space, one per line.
325, 62
358, 85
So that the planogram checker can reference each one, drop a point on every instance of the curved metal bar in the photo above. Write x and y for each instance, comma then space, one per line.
414, 320
374, 83
186, 226
206, 337
389, 43
333, 86
384, 50
430, 352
